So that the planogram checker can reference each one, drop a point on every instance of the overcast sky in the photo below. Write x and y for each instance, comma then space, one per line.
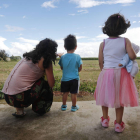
23, 23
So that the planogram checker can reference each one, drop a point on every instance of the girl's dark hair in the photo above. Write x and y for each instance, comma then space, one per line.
116, 25
47, 49
70, 42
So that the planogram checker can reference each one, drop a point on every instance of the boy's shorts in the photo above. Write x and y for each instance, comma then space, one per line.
71, 86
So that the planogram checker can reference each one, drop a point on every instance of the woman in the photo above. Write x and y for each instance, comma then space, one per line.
25, 85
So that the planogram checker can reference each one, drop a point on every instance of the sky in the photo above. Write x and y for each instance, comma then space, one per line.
23, 23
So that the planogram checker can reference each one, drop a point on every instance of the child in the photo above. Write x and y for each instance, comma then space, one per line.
131, 66
71, 65
115, 86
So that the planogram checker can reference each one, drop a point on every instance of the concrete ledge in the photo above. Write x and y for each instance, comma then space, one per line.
66, 125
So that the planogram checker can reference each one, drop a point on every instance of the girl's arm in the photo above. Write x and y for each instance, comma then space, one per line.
130, 50
50, 76
100, 57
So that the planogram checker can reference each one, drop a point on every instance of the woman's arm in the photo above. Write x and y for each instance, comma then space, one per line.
80, 68
100, 57
50, 76
130, 50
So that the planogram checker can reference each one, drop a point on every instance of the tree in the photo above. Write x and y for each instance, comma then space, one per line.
3, 54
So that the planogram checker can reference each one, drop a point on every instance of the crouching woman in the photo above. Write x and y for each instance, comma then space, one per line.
25, 85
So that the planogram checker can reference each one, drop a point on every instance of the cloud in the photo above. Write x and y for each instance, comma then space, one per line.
33, 42
5, 5
80, 37
89, 47
24, 17
18, 48
136, 15
91, 3
72, 14
134, 22
2, 45
13, 28
84, 49
99, 38
133, 34
101, 26
49, 4
2, 16
82, 11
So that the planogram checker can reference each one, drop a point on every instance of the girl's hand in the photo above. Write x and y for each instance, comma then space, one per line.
120, 65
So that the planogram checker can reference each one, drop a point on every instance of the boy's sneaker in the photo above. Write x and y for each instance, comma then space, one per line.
74, 108
119, 127
64, 107
105, 122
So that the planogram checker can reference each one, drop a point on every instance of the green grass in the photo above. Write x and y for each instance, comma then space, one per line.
88, 75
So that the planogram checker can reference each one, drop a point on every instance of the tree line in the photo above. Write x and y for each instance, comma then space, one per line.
4, 56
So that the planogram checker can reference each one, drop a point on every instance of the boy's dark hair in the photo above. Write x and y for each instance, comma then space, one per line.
116, 25
70, 42
47, 49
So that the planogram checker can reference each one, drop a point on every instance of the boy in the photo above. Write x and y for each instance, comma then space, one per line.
71, 65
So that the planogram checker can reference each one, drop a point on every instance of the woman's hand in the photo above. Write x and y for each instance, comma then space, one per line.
59, 54
50, 76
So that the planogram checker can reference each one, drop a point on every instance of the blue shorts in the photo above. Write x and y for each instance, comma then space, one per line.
71, 86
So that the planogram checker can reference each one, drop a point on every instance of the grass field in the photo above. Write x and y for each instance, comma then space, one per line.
88, 75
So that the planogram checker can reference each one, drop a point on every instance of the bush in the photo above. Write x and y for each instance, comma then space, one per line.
1, 95
1, 59
15, 58
84, 86
90, 58
57, 86
3, 55
87, 86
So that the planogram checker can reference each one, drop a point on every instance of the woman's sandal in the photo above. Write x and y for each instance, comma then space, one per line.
19, 116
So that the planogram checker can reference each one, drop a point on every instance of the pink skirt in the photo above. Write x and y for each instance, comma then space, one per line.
116, 88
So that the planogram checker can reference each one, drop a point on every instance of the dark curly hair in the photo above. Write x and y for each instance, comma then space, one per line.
70, 42
116, 25
47, 49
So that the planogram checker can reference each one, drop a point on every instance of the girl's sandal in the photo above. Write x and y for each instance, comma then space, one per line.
19, 116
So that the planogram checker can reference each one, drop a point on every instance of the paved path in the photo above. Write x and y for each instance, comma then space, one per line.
57, 125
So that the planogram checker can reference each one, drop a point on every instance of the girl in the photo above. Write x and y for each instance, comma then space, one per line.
25, 85
115, 86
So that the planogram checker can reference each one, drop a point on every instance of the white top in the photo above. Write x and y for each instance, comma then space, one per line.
113, 52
